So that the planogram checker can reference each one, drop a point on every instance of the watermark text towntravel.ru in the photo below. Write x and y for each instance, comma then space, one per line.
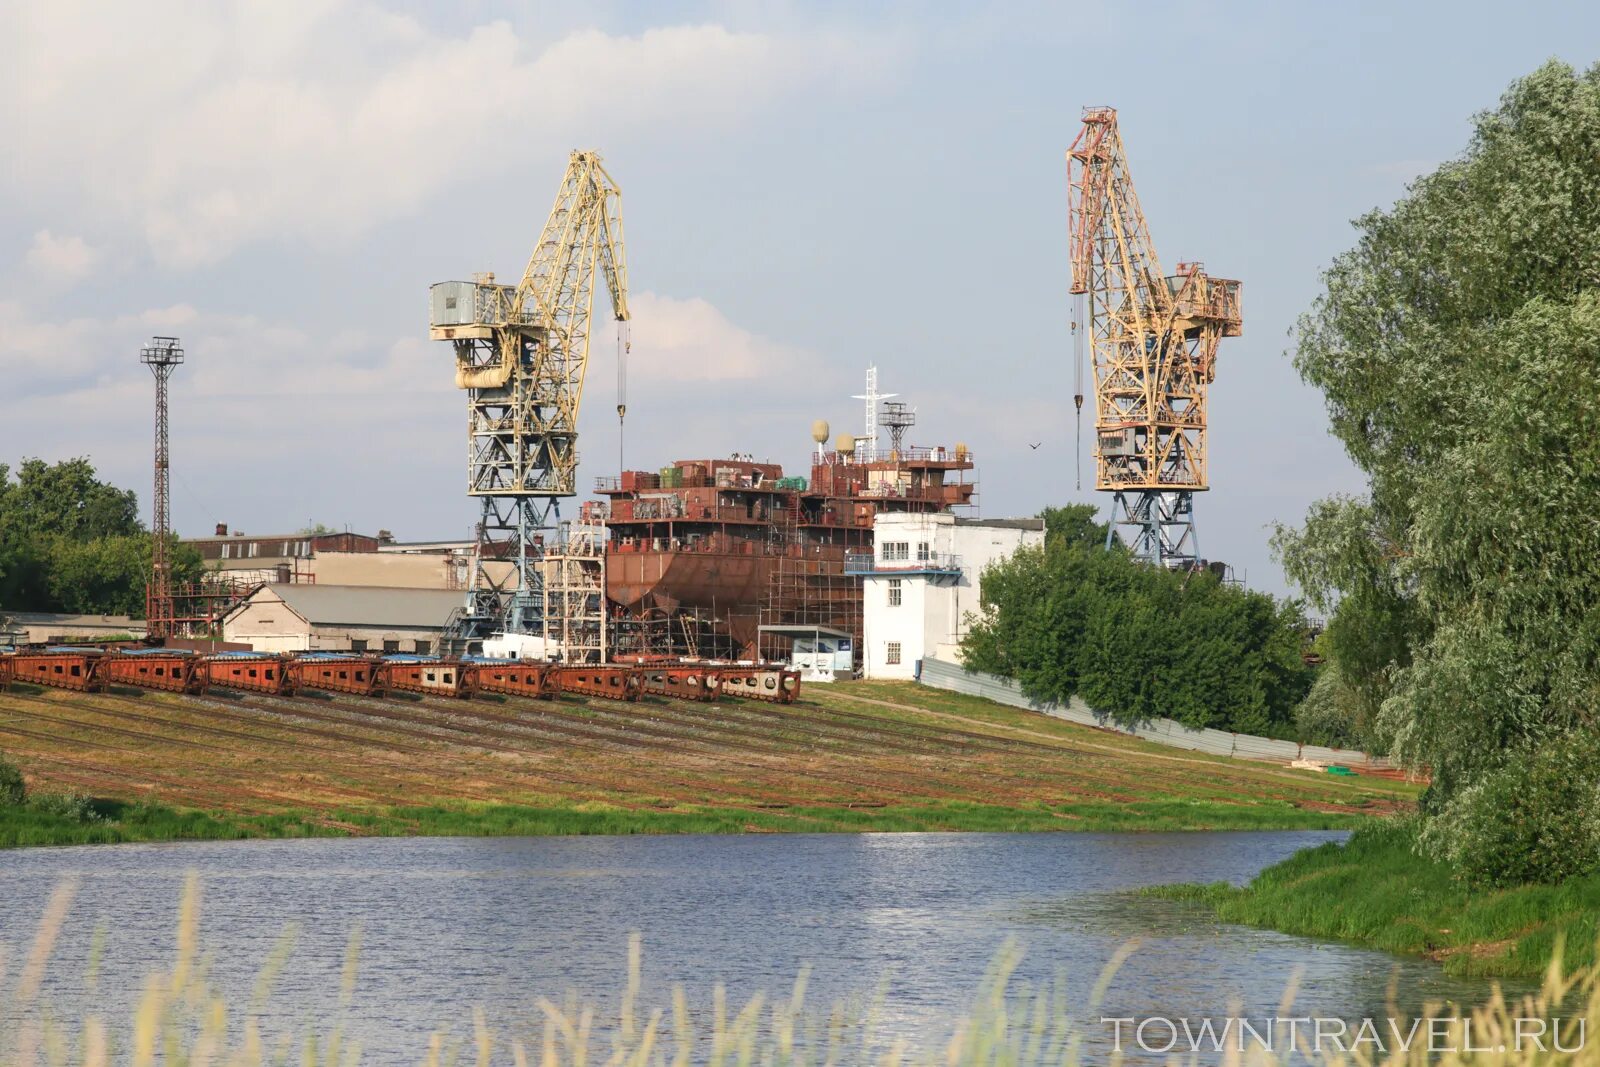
1306, 1033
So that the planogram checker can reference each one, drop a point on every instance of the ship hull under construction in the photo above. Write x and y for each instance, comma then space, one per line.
671, 579
721, 557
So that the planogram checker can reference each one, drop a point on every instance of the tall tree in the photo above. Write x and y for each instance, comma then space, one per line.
66, 499
71, 542
1456, 345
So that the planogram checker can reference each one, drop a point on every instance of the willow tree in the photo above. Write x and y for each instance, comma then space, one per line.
1458, 347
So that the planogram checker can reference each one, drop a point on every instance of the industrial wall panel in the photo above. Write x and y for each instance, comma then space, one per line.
957, 679
452, 304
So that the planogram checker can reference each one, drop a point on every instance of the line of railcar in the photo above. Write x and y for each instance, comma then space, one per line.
91, 670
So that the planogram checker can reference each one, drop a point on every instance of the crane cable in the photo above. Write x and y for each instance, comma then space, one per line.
1077, 383
624, 346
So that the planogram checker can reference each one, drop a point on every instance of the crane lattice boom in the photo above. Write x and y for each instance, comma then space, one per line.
522, 353
1154, 342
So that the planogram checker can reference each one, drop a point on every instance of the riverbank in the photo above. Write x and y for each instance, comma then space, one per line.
1374, 891
20, 828
859, 756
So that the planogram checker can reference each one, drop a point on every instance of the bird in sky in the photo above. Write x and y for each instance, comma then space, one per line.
1036, 445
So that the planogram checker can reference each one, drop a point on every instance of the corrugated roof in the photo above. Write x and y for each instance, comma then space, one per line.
48, 618
369, 605
245, 538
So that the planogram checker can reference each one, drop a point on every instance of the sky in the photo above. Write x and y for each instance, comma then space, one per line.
807, 190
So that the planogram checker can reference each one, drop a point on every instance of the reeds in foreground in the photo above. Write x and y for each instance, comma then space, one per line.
182, 1021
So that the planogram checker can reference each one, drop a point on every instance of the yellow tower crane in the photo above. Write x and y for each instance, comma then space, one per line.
522, 353
1154, 347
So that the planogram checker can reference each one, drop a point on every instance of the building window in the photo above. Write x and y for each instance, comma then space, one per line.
894, 592
923, 554
896, 550
357, 645
891, 653
422, 648
391, 646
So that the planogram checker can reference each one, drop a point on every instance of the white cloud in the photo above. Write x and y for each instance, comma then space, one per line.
66, 259
692, 341
218, 125
274, 423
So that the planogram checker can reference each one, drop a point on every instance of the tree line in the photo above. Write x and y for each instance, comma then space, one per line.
1138, 642
70, 542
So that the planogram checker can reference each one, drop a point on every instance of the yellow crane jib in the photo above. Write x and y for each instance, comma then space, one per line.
522, 354
1153, 343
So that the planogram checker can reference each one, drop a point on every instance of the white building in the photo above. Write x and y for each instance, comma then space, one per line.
303, 617
923, 579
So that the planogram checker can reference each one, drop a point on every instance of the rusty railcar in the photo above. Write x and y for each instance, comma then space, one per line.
335, 673
60, 667
430, 677
680, 680
255, 672
772, 684
513, 677
155, 668
6, 670
609, 680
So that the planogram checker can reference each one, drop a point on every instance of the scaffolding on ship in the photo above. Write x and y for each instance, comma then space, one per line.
808, 587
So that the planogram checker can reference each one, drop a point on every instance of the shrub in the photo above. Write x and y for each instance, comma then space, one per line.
73, 806
1536, 818
13, 790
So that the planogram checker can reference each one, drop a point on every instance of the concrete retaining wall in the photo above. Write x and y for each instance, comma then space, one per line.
957, 679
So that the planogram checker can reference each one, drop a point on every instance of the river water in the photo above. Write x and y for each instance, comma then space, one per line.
453, 923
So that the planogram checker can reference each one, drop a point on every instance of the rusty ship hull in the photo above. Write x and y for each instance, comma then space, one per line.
726, 587
670, 579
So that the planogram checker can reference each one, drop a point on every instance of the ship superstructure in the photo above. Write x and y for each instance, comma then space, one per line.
715, 557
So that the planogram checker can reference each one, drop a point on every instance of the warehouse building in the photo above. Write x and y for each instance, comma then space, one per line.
336, 559
236, 551
296, 617
53, 628
922, 580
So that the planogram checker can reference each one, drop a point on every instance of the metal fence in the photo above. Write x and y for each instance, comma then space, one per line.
957, 679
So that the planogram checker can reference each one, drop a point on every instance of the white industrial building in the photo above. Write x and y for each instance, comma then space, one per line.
922, 580
299, 617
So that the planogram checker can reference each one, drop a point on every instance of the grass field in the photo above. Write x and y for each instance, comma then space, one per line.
1375, 891
848, 757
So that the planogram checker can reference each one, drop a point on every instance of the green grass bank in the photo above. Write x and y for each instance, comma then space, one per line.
1377, 892
113, 821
